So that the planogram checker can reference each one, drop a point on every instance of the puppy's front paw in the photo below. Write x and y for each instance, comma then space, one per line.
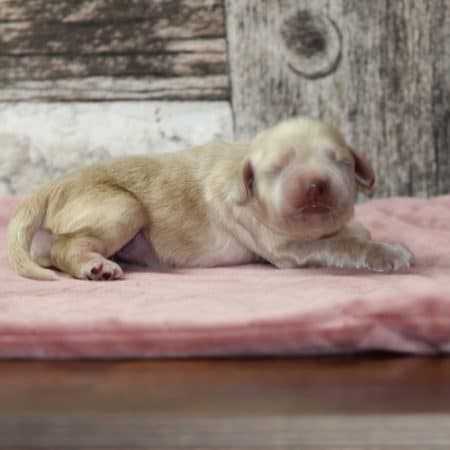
384, 257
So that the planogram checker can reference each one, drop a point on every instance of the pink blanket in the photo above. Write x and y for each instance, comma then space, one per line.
247, 310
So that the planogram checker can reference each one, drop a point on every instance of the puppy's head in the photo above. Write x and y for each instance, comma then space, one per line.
300, 179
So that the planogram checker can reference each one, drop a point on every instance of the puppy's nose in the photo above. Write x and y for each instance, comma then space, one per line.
316, 189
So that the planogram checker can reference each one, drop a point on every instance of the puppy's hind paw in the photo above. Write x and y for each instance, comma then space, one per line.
102, 270
384, 257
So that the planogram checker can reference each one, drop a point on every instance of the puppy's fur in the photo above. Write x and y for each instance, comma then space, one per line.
286, 198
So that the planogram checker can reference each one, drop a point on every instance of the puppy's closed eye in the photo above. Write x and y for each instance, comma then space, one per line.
340, 160
347, 163
277, 166
274, 170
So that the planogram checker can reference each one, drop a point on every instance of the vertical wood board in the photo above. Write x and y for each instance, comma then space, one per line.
389, 92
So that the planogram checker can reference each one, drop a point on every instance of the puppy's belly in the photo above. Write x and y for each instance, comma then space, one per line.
223, 251
138, 251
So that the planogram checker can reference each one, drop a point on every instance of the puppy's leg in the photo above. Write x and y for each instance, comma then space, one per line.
83, 257
41, 247
354, 248
354, 229
356, 253
344, 251
104, 224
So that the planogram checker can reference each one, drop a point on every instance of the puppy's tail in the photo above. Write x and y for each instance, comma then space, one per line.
21, 229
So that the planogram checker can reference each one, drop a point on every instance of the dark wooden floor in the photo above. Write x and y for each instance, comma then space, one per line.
377, 402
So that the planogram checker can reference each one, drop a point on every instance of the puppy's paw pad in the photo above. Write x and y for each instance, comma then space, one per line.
103, 270
383, 257
96, 269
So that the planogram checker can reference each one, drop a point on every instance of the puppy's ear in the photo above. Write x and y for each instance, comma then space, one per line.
245, 184
364, 174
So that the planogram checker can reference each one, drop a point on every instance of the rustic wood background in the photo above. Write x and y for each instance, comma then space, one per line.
379, 70
113, 50
389, 92
82, 80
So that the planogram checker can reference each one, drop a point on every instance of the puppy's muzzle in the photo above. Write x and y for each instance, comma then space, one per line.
316, 198
307, 195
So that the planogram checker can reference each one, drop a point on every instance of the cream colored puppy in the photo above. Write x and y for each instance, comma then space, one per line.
286, 198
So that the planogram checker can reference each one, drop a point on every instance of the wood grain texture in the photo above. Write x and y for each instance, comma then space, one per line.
322, 403
390, 92
98, 88
415, 432
46, 67
311, 43
154, 35
95, 11
47, 44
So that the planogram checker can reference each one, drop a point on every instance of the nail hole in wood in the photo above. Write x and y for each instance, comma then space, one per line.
311, 43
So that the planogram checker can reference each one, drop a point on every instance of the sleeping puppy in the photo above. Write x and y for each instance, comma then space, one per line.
286, 198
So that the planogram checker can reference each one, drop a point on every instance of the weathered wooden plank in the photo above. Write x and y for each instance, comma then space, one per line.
208, 87
67, 50
364, 402
440, 109
236, 431
205, 16
39, 67
389, 92
31, 38
40, 141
